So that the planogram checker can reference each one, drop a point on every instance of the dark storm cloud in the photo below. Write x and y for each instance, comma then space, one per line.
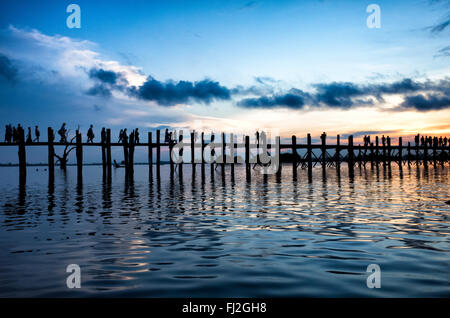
345, 95
421, 96
163, 93
337, 94
7, 70
294, 99
106, 82
99, 90
107, 77
424, 103
170, 93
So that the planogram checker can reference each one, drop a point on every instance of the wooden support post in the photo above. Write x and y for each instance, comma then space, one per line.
351, 154
22, 157
338, 149
203, 155
51, 154
278, 149
180, 152
376, 149
435, 144
389, 157
309, 151
203, 149
131, 145
79, 154
400, 150
247, 158
232, 153
409, 151
158, 149
324, 150
372, 154
247, 152
103, 144
125, 154
193, 150
224, 155
417, 152
425, 153
294, 154
150, 152
213, 152
171, 163
108, 152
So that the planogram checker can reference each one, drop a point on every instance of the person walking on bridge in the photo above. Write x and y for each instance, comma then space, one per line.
90, 134
37, 133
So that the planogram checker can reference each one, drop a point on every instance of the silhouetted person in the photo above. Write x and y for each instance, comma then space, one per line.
121, 136
124, 136
323, 137
416, 139
166, 136
19, 132
37, 133
62, 133
15, 137
90, 134
8, 133
383, 141
136, 136
445, 141
29, 138
103, 135
440, 141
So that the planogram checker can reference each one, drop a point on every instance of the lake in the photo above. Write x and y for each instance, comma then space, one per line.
227, 236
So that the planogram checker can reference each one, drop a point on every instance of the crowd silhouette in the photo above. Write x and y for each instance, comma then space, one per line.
12, 135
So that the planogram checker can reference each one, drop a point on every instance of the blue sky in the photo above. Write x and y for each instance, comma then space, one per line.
267, 63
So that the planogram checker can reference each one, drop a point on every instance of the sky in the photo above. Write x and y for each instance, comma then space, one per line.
296, 66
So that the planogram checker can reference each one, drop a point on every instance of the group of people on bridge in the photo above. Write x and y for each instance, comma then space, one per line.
431, 141
12, 134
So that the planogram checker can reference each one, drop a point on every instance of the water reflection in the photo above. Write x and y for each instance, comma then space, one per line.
228, 234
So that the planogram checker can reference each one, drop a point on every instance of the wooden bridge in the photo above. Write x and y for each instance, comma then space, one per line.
349, 153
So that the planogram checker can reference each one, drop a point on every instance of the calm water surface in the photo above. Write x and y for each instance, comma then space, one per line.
188, 237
